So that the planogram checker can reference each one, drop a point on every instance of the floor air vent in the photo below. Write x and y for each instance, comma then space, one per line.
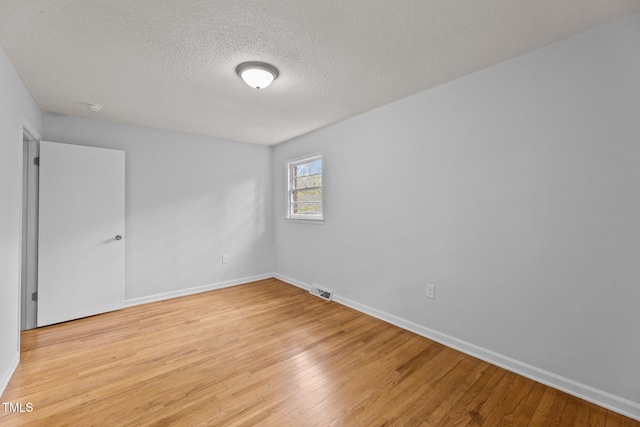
325, 294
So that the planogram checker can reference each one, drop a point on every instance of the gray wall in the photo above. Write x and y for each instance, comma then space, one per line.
189, 200
15, 104
513, 190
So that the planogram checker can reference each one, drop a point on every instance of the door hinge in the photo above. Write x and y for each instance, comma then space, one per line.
36, 161
34, 296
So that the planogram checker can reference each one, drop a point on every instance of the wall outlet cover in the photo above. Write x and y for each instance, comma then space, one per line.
431, 291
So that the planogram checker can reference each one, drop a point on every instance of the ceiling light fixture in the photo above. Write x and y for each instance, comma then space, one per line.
258, 75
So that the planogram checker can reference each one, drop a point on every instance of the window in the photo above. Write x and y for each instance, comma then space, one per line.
305, 189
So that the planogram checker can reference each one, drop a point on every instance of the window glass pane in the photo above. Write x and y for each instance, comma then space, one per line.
308, 181
306, 169
314, 195
306, 208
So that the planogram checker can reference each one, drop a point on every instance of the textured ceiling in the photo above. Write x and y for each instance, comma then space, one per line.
171, 64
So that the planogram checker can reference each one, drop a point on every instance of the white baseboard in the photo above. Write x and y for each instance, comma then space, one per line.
599, 397
195, 290
6, 376
291, 281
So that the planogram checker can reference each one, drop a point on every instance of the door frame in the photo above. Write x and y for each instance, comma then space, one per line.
26, 311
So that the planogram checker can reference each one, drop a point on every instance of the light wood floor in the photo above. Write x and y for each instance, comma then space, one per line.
268, 353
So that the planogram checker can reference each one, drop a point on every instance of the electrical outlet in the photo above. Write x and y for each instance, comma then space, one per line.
225, 259
431, 291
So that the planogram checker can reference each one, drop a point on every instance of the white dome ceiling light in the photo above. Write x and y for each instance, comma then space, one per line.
258, 75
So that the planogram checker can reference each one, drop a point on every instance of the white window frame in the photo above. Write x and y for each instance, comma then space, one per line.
290, 165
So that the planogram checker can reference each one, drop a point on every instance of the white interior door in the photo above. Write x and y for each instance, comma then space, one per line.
81, 232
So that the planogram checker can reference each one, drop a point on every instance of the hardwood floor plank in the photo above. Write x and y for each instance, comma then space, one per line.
513, 399
591, 416
267, 353
466, 410
523, 412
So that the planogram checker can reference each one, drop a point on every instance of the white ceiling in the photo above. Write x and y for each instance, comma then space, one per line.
171, 64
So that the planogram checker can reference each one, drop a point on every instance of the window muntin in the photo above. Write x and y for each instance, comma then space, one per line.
305, 189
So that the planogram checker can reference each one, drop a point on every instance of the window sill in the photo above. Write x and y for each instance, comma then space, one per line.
305, 221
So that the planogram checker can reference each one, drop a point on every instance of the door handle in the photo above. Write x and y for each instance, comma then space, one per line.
118, 237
